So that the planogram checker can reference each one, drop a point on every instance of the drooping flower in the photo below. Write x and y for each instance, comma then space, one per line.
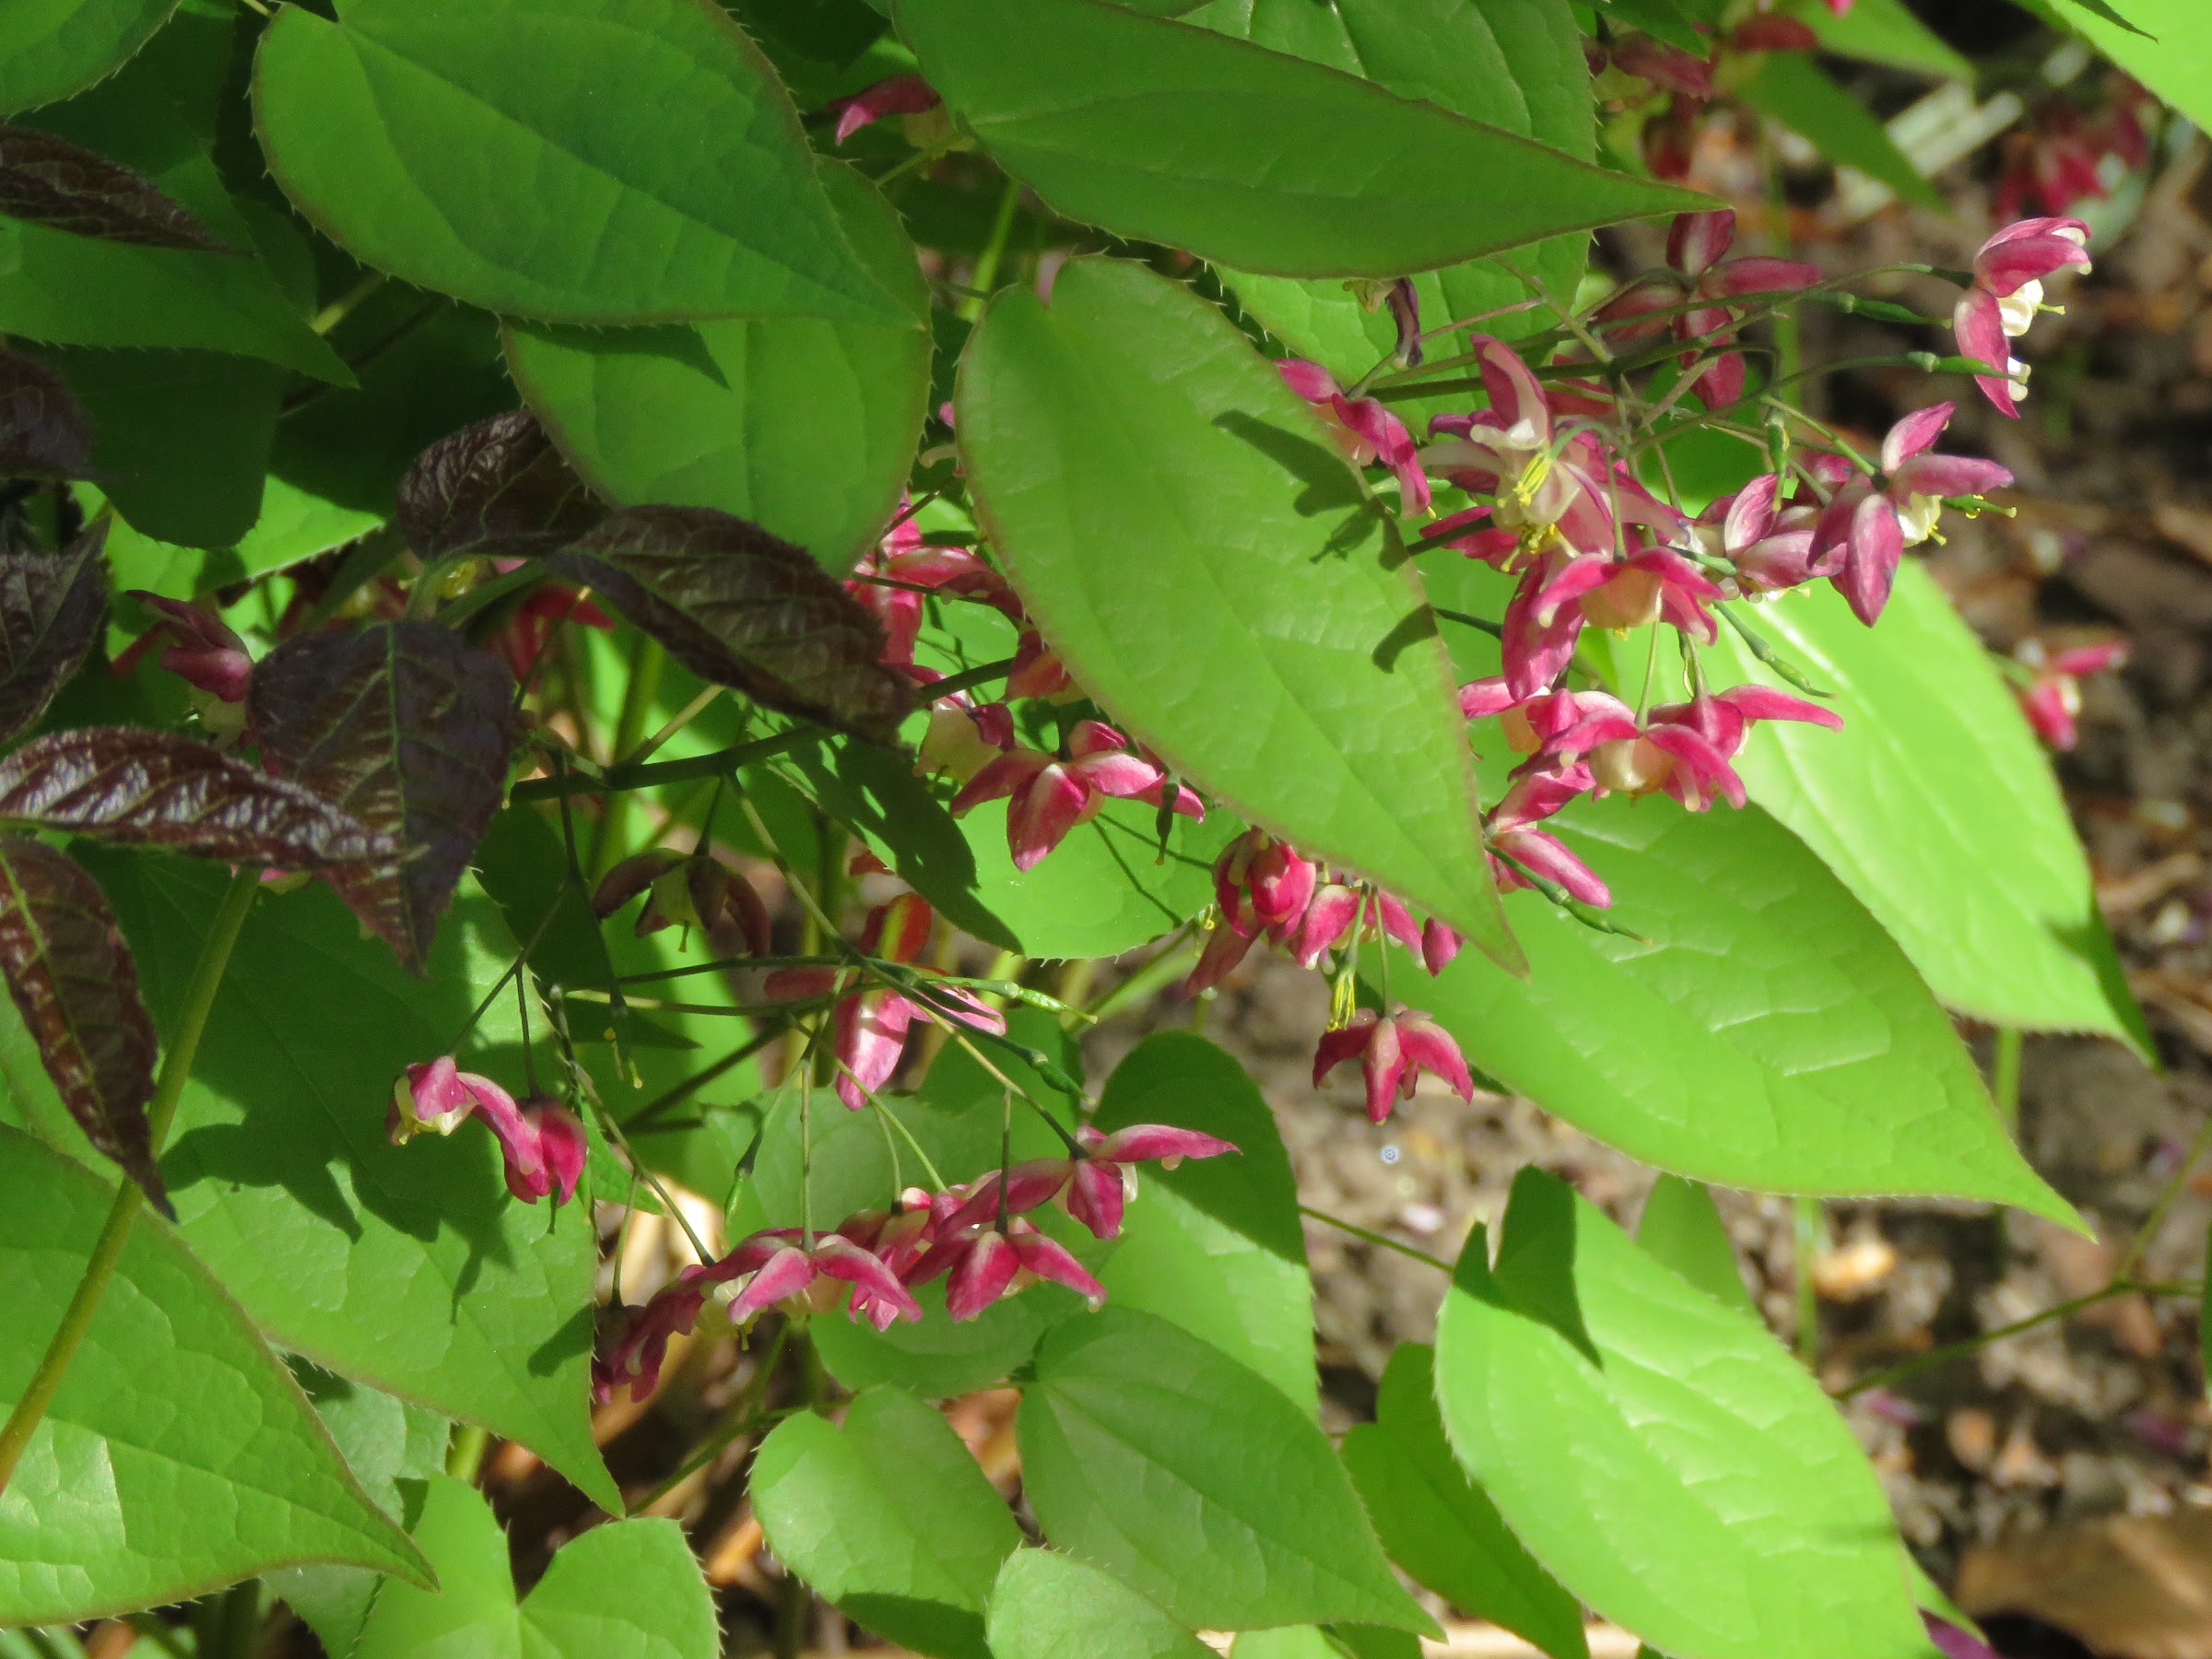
1651, 585
687, 890
1363, 428
2052, 698
994, 1261
1049, 798
1770, 545
541, 1143
1510, 828
1681, 749
2000, 304
1039, 672
1510, 450
1869, 526
1102, 1182
892, 579
1696, 244
964, 736
894, 95
869, 1025
206, 655
1391, 1050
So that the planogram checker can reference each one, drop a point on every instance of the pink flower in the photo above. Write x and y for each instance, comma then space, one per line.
1102, 1182
894, 95
1866, 528
541, 1144
1694, 246
1652, 585
1771, 545
1681, 749
1261, 882
1051, 796
870, 1026
1363, 428
2007, 288
1534, 796
1391, 1051
206, 655
2051, 699
891, 581
964, 735
1038, 671
1508, 451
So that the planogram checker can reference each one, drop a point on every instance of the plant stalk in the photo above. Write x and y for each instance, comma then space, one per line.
107, 1251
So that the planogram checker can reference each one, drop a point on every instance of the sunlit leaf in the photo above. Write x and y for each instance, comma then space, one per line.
55, 47
406, 727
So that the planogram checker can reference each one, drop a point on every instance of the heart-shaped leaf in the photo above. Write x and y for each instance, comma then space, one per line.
1268, 163
681, 188
1580, 1369
1178, 523
172, 1413
890, 1517
145, 788
43, 434
47, 52
1441, 1527
1680, 1227
64, 186
497, 488
1155, 1455
738, 606
73, 981
1047, 1605
627, 1589
806, 425
50, 609
406, 727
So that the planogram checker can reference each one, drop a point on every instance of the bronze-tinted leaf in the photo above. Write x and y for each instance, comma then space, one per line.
496, 486
408, 728
51, 181
73, 980
738, 606
43, 434
51, 607
144, 788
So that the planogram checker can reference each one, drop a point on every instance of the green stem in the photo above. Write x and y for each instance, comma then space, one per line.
1384, 1240
644, 685
2004, 1075
1808, 1296
1960, 1350
464, 1456
176, 1067
995, 250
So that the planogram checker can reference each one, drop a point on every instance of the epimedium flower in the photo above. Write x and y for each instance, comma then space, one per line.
2001, 303
1094, 1186
1051, 796
995, 1262
1517, 850
1510, 450
906, 94
687, 890
1650, 585
1681, 749
206, 655
892, 579
963, 736
541, 1143
1865, 529
1363, 428
2052, 697
1769, 544
1391, 1050
1696, 245
869, 1025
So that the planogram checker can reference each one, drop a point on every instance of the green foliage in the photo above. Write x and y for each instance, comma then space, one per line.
1579, 1368
1790, 88
1266, 163
1129, 402
890, 1517
1050, 1607
52, 48
1885, 31
175, 1411
1160, 1458
1681, 1227
678, 187
627, 1589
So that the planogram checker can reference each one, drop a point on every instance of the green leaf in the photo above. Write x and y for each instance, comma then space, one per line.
385, 1442
1681, 1229
1769, 1034
1936, 808
2103, 11
1049, 1606
1662, 19
408, 1268
1885, 31
1789, 88
1176, 520
2174, 60
937, 1358
182, 438
1440, 1525
52, 48
1515, 64
1268, 163
627, 1589
1157, 1456
1581, 1370
803, 424
1292, 1641
680, 188
890, 1517
1214, 1244
172, 1412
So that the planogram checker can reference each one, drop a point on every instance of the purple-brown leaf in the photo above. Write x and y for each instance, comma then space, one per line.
43, 434
741, 608
498, 487
73, 980
407, 727
51, 607
144, 788
64, 186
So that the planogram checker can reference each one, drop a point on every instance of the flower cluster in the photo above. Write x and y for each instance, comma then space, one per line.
978, 1236
540, 1140
2056, 159
2048, 684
